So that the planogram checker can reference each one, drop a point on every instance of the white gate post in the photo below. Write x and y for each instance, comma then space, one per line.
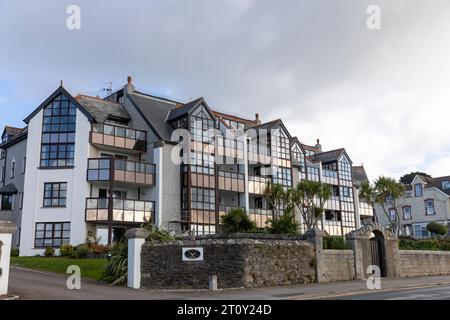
136, 238
6, 231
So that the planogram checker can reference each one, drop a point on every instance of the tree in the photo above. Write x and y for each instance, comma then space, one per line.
385, 192
408, 178
275, 195
437, 229
309, 197
237, 220
285, 224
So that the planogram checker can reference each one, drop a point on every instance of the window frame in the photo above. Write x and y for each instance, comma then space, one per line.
53, 238
12, 202
432, 206
410, 212
51, 198
12, 172
415, 190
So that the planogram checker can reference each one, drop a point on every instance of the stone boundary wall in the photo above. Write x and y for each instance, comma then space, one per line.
416, 263
236, 262
338, 265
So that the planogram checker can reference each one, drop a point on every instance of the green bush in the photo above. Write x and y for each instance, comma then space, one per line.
426, 244
335, 243
157, 234
14, 252
49, 252
66, 250
81, 251
237, 220
284, 224
116, 270
437, 229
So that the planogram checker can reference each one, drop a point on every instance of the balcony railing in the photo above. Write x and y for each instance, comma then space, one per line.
257, 184
120, 170
113, 136
231, 181
123, 210
223, 209
260, 216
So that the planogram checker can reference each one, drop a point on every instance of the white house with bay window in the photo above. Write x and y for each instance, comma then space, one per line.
425, 200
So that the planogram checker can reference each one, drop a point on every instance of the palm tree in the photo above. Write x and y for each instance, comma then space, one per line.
310, 197
385, 192
274, 194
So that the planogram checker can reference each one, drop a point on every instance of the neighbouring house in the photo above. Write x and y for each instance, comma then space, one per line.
12, 175
364, 208
98, 167
424, 200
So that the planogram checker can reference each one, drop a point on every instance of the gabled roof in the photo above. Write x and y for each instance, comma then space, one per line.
58, 91
101, 109
234, 118
184, 109
359, 175
154, 112
12, 130
331, 155
274, 124
16, 138
437, 183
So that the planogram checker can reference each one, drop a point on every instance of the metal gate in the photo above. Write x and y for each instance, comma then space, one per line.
377, 251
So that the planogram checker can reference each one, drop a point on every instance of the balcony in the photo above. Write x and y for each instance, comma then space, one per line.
257, 185
260, 216
112, 137
224, 209
231, 181
124, 211
122, 171
230, 148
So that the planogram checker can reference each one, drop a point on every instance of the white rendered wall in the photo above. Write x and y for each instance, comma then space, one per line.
77, 187
6, 239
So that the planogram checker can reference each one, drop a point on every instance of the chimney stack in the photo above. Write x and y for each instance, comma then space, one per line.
318, 145
129, 88
257, 120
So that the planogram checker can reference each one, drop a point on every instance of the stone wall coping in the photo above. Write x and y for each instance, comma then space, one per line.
252, 236
336, 251
229, 241
7, 227
137, 233
433, 252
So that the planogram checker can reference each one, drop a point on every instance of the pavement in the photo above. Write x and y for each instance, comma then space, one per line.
39, 285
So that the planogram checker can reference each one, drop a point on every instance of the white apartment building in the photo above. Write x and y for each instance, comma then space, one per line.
96, 167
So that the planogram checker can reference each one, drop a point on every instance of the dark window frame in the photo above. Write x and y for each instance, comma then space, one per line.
54, 197
10, 196
410, 212
426, 211
61, 228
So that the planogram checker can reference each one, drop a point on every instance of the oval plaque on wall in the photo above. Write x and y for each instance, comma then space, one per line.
192, 254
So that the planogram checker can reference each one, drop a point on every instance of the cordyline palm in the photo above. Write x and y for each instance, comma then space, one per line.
310, 197
386, 192
274, 194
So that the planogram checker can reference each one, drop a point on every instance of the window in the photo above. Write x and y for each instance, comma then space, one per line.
445, 185
203, 199
52, 234
2, 153
418, 190
408, 229
332, 215
7, 202
2, 170
392, 214
24, 164
283, 176
406, 213
429, 207
346, 192
55, 194
21, 201
58, 133
13, 168
420, 231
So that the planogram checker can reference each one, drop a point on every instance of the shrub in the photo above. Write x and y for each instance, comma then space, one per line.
437, 229
49, 252
116, 270
81, 251
284, 224
237, 220
429, 244
14, 252
334, 242
66, 250
157, 234
98, 248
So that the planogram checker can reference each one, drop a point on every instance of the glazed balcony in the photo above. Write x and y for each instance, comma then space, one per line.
224, 209
123, 210
120, 171
112, 137
260, 216
257, 184
231, 181
230, 148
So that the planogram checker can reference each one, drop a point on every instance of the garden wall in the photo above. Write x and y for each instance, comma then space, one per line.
415, 263
338, 265
237, 262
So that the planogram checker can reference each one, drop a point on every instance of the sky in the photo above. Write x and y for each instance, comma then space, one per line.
382, 94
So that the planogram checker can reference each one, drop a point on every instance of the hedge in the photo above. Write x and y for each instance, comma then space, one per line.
425, 244
335, 243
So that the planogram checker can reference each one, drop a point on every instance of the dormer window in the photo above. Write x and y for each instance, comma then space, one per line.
446, 185
418, 190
